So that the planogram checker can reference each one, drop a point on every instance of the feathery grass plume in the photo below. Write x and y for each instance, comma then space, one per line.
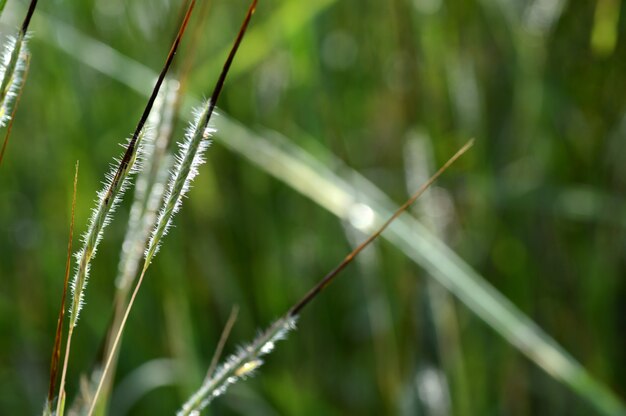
13, 64
56, 350
188, 160
11, 69
247, 360
238, 366
116, 183
149, 192
117, 180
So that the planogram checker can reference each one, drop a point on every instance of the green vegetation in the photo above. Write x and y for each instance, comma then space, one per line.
524, 232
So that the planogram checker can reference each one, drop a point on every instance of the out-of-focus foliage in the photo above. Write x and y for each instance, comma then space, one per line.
537, 208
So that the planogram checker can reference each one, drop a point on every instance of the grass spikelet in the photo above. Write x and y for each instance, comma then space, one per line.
116, 183
189, 158
12, 68
247, 360
239, 366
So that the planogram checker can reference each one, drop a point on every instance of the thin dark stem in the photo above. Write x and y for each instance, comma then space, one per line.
220, 81
188, 64
223, 338
29, 15
155, 91
56, 351
295, 310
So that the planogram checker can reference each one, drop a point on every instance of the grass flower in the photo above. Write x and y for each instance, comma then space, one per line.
115, 185
185, 169
238, 366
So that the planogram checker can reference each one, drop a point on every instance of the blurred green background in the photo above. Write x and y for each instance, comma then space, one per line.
392, 89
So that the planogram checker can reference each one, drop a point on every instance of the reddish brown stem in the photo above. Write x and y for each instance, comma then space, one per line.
56, 351
295, 310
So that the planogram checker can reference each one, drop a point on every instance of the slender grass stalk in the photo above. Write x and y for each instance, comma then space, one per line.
243, 364
188, 160
108, 198
56, 350
232, 318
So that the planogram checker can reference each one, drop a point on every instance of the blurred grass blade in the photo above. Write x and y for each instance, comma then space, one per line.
438, 307
305, 174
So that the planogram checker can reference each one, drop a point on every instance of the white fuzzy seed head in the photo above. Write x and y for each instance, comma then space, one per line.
188, 159
12, 66
239, 366
106, 202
